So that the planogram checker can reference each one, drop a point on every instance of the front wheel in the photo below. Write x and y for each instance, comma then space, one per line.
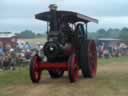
73, 68
35, 72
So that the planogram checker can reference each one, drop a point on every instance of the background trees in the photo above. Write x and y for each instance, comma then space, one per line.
124, 34
100, 33
29, 34
111, 33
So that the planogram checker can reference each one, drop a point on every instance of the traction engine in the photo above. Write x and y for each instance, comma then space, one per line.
67, 48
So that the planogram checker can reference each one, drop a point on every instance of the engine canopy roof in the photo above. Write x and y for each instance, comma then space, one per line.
68, 16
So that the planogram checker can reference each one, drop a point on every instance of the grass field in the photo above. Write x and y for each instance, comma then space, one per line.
111, 80
35, 40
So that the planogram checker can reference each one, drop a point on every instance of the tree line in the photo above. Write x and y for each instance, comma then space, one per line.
29, 34
100, 33
110, 33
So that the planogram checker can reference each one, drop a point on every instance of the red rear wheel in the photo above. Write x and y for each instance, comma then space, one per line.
35, 72
73, 68
88, 58
92, 58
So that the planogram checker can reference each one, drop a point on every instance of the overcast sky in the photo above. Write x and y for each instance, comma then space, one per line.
18, 15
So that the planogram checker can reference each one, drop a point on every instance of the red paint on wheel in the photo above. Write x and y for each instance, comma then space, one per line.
73, 68
92, 58
36, 73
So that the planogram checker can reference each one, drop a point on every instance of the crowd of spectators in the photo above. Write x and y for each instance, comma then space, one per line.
106, 51
12, 56
23, 51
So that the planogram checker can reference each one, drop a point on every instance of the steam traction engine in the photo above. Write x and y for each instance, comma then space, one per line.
67, 48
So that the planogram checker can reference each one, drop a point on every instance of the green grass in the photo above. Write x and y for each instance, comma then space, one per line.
114, 60
10, 77
34, 41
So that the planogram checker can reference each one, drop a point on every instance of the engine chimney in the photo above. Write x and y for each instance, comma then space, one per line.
53, 21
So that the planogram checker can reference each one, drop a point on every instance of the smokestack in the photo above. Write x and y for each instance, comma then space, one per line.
53, 21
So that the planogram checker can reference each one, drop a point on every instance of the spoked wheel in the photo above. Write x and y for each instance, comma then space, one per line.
56, 73
35, 72
73, 68
88, 58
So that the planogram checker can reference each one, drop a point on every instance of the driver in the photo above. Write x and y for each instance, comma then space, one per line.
67, 30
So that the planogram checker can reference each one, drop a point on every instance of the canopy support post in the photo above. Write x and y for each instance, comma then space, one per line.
86, 31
